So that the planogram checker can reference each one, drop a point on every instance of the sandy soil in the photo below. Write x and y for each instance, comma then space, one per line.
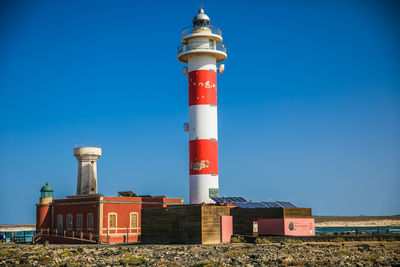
356, 221
369, 223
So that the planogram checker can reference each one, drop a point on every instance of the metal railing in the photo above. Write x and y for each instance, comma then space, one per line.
198, 29
89, 235
184, 48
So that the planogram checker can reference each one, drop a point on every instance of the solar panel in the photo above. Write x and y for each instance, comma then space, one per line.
262, 205
217, 199
248, 205
270, 204
245, 204
258, 205
242, 203
228, 199
280, 205
286, 204
221, 200
240, 199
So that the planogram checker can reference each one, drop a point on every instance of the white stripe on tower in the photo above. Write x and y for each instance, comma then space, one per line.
203, 122
200, 51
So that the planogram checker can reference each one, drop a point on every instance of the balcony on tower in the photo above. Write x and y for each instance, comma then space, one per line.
201, 38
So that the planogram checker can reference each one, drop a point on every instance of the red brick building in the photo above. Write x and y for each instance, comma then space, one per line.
93, 218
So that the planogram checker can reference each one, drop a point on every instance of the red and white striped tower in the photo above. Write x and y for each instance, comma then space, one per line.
202, 49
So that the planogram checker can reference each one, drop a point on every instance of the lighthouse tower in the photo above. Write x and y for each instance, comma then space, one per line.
43, 209
87, 169
201, 49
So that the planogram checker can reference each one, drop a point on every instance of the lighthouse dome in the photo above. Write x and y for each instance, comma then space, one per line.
201, 19
47, 188
46, 191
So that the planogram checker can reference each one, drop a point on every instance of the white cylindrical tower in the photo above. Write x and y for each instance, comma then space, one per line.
87, 169
201, 49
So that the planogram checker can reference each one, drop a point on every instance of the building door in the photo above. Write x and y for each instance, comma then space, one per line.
226, 229
60, 224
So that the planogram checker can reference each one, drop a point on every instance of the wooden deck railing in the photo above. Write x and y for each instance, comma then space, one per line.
89, 236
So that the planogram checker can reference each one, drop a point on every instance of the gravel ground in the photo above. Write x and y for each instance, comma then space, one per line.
282, 254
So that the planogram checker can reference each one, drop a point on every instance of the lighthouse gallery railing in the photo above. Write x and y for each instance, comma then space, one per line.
193, 29
183, 48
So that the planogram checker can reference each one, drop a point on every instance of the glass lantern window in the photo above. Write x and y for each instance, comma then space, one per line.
46, 194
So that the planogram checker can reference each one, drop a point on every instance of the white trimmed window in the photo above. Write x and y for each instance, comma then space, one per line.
112, 220
79, 221
133, 220
90, 221
69, 221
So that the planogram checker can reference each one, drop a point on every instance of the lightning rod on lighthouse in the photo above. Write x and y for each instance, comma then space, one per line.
201, 49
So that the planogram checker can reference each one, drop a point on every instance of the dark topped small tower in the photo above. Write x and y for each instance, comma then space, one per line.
43, 209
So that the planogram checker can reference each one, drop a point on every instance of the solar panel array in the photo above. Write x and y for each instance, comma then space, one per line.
228, 199
286, 204
270, 204
242, 203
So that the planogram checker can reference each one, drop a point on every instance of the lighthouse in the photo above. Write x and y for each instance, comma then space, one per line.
202, 50
87, 169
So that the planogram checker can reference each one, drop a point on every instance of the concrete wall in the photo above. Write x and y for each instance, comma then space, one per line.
289, 226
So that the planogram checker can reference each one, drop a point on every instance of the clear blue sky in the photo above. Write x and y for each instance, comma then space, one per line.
309, 105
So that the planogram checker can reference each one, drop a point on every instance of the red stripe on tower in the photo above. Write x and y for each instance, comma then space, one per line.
203, 157
202, 87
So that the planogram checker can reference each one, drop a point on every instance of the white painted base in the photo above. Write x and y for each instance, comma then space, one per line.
199, 187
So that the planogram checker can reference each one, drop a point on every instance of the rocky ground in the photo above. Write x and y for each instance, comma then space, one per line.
334, 254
